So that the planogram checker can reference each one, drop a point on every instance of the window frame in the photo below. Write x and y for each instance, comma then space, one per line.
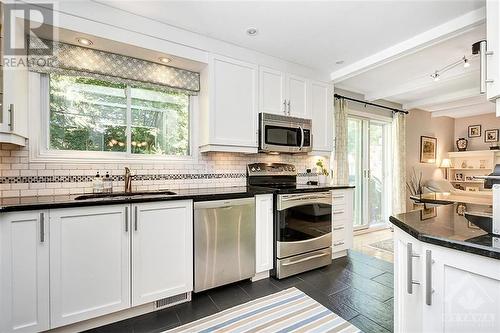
39, 141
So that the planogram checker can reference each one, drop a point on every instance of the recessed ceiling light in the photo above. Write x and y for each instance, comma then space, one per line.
435, 76
84, 41
252, 31
339, 62
165, 60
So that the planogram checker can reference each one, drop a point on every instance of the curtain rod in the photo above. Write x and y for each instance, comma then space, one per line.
368, 103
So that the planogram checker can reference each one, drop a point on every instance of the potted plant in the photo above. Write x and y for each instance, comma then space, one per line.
322, 171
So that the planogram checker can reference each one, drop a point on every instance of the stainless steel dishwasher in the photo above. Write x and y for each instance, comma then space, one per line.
224, 242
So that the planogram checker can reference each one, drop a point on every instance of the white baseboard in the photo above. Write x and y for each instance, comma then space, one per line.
260, 276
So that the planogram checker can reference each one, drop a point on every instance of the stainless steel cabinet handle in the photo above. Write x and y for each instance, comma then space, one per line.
338, 243
11, 111
338, 228
338, 212
428, 277
288, 107
284, 106
135, 219
42, 227
126, 219
338, 196
409, 269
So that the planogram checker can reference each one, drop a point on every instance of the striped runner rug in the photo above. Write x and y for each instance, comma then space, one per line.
287, 311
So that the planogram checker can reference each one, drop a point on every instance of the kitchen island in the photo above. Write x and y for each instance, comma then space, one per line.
447, 273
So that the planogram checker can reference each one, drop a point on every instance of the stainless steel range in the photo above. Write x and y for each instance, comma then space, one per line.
302, 219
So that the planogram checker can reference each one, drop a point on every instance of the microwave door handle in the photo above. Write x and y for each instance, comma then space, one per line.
301, 137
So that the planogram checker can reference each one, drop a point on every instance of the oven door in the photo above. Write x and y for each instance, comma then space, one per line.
304, 223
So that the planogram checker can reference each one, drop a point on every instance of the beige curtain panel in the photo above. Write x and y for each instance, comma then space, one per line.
70, 59
340, 155
399, 163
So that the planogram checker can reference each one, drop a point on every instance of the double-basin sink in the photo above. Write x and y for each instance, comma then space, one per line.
123, 194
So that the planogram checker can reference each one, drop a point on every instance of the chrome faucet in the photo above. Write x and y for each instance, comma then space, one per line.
128, 180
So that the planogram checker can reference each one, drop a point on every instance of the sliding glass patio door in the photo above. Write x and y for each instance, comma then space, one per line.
369, 150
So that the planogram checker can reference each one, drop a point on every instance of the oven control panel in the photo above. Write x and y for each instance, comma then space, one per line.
271, 169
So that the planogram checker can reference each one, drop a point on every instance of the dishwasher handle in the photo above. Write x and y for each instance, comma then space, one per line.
223, 203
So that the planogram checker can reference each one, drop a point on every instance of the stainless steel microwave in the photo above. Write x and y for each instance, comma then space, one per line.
284, 134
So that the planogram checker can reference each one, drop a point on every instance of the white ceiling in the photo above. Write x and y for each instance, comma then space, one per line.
311, 33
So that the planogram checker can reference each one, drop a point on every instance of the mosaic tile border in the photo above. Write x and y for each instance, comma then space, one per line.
83, 179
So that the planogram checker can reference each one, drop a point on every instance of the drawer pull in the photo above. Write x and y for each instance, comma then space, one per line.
338, 243
338, 228
338, 211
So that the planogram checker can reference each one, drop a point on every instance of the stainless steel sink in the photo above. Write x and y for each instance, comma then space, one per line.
122, 194
481, 219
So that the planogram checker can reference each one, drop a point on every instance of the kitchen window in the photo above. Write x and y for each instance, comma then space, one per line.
107, 119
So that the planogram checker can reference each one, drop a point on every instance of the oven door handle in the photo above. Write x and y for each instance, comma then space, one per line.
305, 259
303, 200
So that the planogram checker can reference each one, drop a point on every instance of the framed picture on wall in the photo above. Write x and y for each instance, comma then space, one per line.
428, 149
474, 131
491, 135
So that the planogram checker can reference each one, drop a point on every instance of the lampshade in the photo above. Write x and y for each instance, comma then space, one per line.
445, 163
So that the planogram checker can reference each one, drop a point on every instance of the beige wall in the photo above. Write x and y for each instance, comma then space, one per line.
487, 121
420, 123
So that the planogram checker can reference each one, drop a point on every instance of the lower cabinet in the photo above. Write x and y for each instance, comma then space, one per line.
342, 220
99, 260
264, 232
452, 291
89, 262
24, 272
162, 250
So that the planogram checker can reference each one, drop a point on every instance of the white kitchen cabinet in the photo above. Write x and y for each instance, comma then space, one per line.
297, 96
264, 232
24, 268
465, 291
453, 291
162, 250
228, 119
493, 47
321, 106
14, 92
342, 221
283, 93
89, 262
408, 303
272, 91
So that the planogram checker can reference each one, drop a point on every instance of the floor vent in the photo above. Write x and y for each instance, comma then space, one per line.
165, 302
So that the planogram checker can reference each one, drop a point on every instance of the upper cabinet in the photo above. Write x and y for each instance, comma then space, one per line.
282, 93
228, 119
13, 89
321, 109
493, 48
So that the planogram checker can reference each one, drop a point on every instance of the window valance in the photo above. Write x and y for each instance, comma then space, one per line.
70, 59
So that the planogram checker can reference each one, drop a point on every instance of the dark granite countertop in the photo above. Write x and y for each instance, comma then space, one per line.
61, 201
197, 194
443, 226
480, 198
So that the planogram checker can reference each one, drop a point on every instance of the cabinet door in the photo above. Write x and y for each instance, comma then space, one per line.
493, 45
162, 250
264, 232
407, 303
297, 96
464, 292
89, 262
271, 91
234, 103
321, 106
24, 267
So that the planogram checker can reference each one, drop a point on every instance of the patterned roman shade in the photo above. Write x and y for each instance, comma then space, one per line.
75, 60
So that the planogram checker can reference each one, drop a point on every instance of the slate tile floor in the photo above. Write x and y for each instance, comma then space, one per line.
358, 287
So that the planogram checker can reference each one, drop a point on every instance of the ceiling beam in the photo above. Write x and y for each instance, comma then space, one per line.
428, 38
423, 83
466, 96
466, 111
